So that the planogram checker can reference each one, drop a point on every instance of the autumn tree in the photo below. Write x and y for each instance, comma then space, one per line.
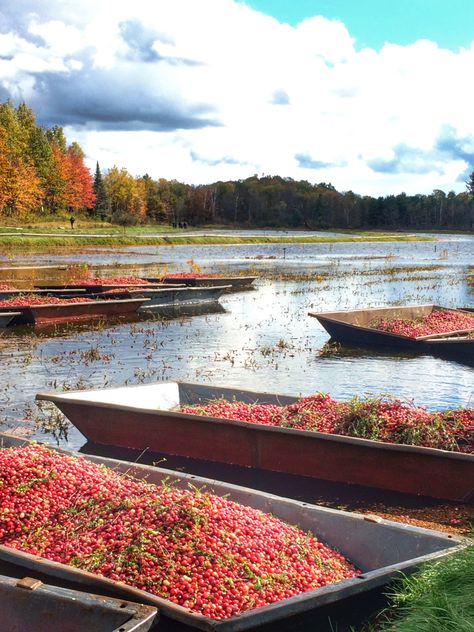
20, 189
78, 191
126, 196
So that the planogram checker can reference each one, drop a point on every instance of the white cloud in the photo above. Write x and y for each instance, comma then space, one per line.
201, 91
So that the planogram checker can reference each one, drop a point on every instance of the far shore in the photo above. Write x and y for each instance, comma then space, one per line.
54, 238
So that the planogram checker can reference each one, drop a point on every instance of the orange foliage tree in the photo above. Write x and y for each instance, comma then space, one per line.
20, 187
78, 193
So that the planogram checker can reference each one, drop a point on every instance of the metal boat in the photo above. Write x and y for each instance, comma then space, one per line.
235, 283
7, 317
148, 416
378, 547
163, 295
29, 605
356, 327
72, 312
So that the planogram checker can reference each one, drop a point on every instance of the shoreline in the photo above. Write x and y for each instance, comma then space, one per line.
27, 243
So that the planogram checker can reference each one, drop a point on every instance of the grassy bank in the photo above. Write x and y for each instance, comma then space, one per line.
24, 243
440, 597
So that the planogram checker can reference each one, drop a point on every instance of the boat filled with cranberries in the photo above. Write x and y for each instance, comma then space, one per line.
30, 308
425, 328
203, 279
377, 442
209, 554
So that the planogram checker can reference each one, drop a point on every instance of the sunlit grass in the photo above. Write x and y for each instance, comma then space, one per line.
23, 242
439, 598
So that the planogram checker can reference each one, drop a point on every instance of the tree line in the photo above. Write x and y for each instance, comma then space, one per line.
42, 175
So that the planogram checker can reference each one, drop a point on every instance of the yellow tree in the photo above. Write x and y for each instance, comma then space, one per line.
126, 195
20, 187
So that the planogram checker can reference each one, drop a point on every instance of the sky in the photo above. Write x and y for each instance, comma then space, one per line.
373, 96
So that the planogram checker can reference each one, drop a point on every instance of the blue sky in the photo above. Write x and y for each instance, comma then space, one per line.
450, 23
373, 96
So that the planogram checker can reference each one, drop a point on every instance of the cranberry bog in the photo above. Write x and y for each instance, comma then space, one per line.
379, 548
356, 327
149, 417
30, 605
71, 312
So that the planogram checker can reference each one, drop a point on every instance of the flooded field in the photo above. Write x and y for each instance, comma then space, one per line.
261, 339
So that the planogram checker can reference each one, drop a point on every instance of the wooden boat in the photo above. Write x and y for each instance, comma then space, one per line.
161, 296
71, 312
29, 605
148, 416
7, 317
356, 327
234, 282
378, 547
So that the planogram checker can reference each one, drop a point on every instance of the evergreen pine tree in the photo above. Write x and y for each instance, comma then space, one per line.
101, 207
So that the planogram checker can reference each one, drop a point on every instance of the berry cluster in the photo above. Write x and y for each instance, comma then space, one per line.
379, 419
29, 300
200, 551
438, 322
125, 280
191, 275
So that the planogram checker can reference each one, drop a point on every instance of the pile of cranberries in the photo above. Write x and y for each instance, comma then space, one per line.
125, 280
206, 553
438, 322
29, 300
191, 275
380, 419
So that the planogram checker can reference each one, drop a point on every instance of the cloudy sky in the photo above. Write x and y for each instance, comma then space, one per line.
375, 96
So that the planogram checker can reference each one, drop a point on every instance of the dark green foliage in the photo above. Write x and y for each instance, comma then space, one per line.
101, 207
470, 184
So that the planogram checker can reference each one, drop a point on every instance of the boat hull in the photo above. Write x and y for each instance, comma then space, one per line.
8, 317
30, 605
146, 417
64, 312
173, 295
234, 283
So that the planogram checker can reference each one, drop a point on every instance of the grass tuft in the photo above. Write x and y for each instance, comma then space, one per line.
439, 598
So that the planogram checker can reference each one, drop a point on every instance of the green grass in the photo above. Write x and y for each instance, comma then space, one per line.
439, 598
22, 242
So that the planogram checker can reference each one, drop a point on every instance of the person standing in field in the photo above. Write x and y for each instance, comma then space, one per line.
72, 219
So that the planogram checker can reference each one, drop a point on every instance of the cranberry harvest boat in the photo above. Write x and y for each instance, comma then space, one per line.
29, 605
167, 295
378, 548
71, 311
234, 283
7, 317
149, 416
408, 327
